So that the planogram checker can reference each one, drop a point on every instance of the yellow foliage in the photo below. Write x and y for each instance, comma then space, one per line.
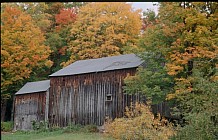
104, 29
195, 45
139, 123
173, 69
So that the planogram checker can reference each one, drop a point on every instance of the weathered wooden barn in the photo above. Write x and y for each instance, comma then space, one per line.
89, 91
31, 104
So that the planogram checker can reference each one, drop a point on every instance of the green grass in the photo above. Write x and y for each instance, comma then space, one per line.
6, 126
56, 135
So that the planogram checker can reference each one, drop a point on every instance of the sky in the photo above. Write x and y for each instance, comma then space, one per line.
145, 5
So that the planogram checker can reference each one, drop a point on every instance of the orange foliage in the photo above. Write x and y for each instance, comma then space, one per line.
22, 47
66, 16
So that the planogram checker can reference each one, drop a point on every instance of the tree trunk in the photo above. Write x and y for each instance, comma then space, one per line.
12, 110
3, 109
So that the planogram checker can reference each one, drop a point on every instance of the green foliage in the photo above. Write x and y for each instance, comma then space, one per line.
90, 128
152, 80
184, 37
74, 4
6, 126
199, 108
155, 85
58, 43
200, 127
81, 128
203, 95
73, 128
40, 126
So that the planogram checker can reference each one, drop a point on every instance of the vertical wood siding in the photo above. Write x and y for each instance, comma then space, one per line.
29, 107
81, 99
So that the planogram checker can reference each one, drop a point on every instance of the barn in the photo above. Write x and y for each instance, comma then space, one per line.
30, 104
90, 91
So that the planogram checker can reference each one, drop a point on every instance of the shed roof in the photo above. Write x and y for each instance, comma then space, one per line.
32, 87
100, 65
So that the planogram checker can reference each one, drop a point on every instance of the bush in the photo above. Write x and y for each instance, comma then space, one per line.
199, 127
90, 128
81, 128
139, 123
6, 126
73, 128
39, 126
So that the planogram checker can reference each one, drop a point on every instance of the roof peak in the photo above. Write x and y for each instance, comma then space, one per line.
100, 65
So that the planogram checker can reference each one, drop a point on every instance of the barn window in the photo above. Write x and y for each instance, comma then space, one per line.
63, 83
22, 100
109, 97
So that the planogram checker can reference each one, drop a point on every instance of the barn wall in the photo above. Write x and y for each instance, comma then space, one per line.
164, 108
29, 107
82, 98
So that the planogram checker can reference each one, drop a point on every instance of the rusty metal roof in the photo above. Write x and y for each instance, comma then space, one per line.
100, 65
32, 87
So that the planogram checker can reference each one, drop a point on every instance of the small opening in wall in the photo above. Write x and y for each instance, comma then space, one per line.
63, 83
109, 97
22, 100
22, 119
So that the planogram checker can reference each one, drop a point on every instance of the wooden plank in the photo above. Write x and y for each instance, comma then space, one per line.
88, 104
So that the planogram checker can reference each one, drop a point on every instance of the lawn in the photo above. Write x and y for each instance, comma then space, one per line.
54, 136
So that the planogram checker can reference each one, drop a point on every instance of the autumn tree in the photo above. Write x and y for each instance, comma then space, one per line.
152, 80
104, 29
57, 39
184, 35
193, 62
54, 19
38, 13
22, 49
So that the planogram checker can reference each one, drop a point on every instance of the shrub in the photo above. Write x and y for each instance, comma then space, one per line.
73, 128
139, 123
40, 126
6, 126
199, 127
90, 128
81, 128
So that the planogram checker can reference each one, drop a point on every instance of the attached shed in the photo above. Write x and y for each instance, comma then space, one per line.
31, 104
89, 91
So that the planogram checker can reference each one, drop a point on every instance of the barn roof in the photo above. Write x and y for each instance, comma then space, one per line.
100, 65
32, 87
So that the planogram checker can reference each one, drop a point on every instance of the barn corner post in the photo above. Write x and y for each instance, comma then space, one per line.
13, 110
47, 109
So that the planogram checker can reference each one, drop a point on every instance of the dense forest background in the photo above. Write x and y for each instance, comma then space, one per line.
179, 46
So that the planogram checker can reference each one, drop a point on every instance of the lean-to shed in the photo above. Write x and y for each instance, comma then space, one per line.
89, 91
31, 104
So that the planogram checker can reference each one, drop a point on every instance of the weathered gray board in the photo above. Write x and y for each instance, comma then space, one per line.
29, 107
88, 98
